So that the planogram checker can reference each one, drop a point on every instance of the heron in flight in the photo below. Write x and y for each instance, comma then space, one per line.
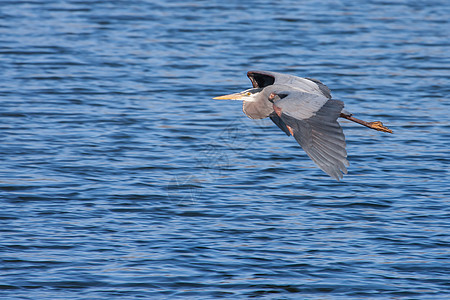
303, 108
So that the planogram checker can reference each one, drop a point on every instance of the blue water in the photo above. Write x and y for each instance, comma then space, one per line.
121, 178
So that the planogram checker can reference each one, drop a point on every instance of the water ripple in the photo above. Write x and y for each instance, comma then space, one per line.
121, 178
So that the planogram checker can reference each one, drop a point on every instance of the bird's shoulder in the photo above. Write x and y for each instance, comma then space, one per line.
299, 104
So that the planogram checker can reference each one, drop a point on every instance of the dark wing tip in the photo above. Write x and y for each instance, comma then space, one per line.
260, 79
277, 120
322, 87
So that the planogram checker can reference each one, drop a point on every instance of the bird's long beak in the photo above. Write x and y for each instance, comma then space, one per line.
235, 96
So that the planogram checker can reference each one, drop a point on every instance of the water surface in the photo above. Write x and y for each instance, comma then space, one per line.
121, 178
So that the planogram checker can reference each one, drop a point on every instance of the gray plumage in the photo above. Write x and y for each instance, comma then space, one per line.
322, 138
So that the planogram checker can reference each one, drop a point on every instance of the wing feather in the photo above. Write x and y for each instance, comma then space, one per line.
320, 136
262, 79
277, 120
301, 105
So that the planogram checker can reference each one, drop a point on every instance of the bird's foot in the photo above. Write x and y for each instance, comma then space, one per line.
377, 125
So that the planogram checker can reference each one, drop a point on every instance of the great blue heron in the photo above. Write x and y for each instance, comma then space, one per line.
302, 107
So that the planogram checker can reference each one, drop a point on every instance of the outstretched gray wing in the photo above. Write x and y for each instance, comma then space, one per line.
262, 79
313, 119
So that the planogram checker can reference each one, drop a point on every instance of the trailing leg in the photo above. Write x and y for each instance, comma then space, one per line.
377, 125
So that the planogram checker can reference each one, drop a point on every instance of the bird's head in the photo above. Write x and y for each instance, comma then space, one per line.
247, 95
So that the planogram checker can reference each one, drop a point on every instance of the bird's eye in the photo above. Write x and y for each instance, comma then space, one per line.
248, 94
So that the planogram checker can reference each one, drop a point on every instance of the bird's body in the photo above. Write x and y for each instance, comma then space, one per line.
302, 107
